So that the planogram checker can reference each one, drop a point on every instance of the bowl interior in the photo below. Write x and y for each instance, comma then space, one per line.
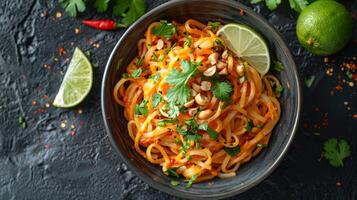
249, 174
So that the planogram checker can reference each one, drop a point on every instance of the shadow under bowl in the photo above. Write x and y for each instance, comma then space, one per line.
251, 173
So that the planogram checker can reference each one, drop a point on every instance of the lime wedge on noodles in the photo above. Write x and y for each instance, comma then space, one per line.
247, 44
76, 83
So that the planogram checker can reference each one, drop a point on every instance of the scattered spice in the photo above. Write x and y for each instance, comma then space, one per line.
61, 51
77, 31
355, 116
241, 12
338, 184
58, 14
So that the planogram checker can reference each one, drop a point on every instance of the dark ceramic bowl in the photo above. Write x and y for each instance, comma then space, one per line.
249, 174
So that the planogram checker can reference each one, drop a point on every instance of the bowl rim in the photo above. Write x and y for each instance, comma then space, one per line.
171, 190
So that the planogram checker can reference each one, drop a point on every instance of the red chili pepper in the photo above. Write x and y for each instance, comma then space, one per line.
106, 24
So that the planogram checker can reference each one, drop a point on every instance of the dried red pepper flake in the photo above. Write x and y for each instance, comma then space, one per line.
34, 103
338, 184
355, 116
241, 12
61, 51
339, 88
73, 132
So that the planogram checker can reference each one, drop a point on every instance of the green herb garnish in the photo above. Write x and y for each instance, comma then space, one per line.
249, 126
142, 108
156, 99
180, 92
172, 172
165, 29
219, 43
136, 73
190, 182
212, 133
222, 91
214, 25
278, 90
336, 150
232, 151
309, 81
278, 66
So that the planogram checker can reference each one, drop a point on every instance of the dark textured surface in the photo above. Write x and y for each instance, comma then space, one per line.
48, 160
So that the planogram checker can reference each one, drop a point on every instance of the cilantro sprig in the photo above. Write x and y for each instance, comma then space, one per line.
232, 151
129, 10
180, 92
297, 5
165, 30
335, 151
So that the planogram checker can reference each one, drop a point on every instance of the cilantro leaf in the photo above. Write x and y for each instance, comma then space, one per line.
188, 41
156, 99
278, 90
349, 75
172, 172
309, 81
249, 126
190, 182
336, 150
272, 4
214, 25
165, 29
232, 151
130, 10
174, 183
219, 43
278, 66
174, 111
136, 73
180, 92
155, 77
222, 91
163, 123
142, 108
72, 7
101, 5
298, 5
194, 137
212, 133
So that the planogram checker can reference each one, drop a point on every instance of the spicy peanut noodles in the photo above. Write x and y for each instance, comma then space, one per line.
194, 107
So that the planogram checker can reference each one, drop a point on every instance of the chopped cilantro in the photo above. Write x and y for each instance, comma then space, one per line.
156, 99
278, 66
164, 122
262, 145
278, 90
214, 25
155, 77
232, 151
142, 108
309, 81
136, 73
188, 41
174, 183
349, 75
190, 182
172, 172
139, 62
249, 126
212, 133
219, 43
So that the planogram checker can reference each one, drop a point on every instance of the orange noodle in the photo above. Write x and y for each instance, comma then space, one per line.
202, 123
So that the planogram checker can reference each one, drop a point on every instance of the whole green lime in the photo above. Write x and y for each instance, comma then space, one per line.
324, 27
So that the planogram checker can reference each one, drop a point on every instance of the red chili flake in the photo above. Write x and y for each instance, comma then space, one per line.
354, 77
241, 12
338, 184
172, 162
355, 116
45, 97
34, 102
61, 51
339, 87
305, 125
73, 132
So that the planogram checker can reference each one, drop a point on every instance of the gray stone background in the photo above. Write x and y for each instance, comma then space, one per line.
65, 153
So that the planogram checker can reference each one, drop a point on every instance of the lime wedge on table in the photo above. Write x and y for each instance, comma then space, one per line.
76, 83
247, 44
